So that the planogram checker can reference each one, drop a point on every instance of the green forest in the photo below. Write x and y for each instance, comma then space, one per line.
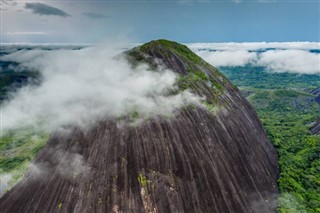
287, 110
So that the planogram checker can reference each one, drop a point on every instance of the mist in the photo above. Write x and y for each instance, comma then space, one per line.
294, 57
79, 87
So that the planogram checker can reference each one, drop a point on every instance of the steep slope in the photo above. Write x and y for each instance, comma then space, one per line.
203, 159
315, 129
317, 93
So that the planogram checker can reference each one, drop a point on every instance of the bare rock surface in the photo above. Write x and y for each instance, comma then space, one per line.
317, 93
197, 160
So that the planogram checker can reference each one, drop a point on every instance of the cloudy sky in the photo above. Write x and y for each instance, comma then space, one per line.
62, 21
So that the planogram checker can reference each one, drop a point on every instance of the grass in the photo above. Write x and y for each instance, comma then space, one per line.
144, 182
199, 74
17, 149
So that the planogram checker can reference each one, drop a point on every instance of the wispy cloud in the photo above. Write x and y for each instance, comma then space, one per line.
95, 15
8, 2
295, 57
82, 86
228, 58
233, 46
44, 9
25, 33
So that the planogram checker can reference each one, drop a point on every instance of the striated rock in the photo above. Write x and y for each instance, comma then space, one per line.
214, 159
317, 93
315, 129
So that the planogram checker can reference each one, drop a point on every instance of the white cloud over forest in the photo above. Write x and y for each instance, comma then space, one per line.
299, 61
228, 58
293, 57
255, 45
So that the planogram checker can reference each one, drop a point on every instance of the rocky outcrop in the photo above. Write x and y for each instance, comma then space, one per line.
317, 93
215, 158
315, 128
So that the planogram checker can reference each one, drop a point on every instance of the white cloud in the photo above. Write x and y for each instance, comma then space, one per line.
233, 46
299, 61
81, 86
277, 56
228, 58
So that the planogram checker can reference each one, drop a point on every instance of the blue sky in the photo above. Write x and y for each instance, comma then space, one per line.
140, 21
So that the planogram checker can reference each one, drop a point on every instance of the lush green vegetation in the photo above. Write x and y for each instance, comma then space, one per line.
197, 72
180, 49
170, 49
17, 149
287, 109
287, 125
259, 77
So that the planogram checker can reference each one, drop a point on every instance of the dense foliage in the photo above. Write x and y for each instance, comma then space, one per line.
17, 149
260, 77
287, 110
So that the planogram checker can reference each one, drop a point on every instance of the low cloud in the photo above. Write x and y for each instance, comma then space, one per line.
234, 46
265, 204
8, 2
296, 57
228, 58
299, 61
5, 180
82, 86
44, 9
291, 203
95, 15
69, 165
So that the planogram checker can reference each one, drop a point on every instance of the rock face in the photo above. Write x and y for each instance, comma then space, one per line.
315, 129
317, 93
214, 159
